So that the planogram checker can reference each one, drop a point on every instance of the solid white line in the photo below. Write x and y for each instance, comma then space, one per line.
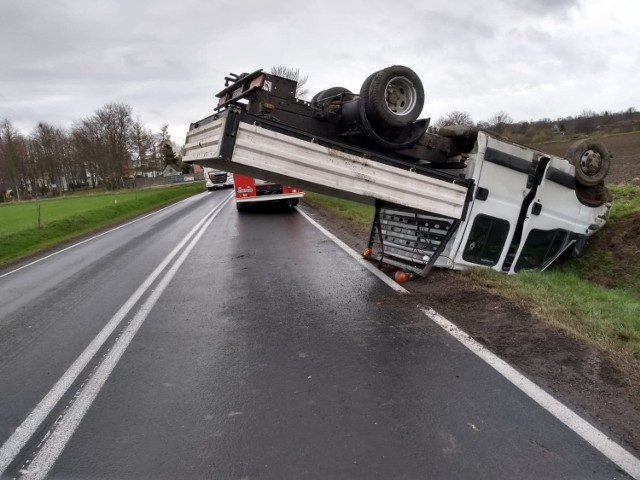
588, 432
365, 263
28, 427
55, 444
92, 238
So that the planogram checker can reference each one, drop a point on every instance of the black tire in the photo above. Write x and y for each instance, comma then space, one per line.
241, 207
593, 196
393, 97
591, 160
456, 131
329, 94
464, 137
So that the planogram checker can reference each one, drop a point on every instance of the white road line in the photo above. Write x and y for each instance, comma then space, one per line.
588, 432
610, 449
28, 427
365, 263
56, 442
92, 238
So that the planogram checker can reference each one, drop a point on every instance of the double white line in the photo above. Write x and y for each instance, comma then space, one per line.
56, 441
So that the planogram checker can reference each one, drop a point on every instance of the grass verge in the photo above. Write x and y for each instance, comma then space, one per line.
607, 318
358, 213
66, 218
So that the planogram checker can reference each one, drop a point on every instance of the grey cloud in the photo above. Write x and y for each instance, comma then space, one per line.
543, 7
64, 59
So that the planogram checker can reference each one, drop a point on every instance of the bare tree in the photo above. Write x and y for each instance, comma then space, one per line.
115, 121
99, 149
73, 165
293, 74
500, 121
104, 143
457, 117
48, 149
13, 155
88, 145
587, 121
142, 146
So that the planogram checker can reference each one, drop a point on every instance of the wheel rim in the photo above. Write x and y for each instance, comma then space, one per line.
590, 162
400, 96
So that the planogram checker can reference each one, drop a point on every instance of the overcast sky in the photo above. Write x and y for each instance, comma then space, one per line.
61, 60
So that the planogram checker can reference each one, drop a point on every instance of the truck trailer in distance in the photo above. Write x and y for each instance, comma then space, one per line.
250, 191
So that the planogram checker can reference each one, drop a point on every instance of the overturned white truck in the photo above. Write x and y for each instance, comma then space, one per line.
458, 198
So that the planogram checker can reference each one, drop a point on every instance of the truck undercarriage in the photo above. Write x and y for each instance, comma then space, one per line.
435, 194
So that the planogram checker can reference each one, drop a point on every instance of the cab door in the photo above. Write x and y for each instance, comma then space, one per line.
501, 172
556, 219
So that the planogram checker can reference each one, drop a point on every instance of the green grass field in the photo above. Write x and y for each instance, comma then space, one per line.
608, 318
28, 227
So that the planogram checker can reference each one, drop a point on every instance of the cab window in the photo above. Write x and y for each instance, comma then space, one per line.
541, 247
486, 240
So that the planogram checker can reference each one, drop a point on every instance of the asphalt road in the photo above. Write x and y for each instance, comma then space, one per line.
257, 350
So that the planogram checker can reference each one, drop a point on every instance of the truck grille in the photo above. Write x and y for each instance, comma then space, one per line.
217, 178
411, 239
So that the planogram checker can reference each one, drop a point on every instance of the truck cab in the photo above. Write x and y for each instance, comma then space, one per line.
215, 179
524, 213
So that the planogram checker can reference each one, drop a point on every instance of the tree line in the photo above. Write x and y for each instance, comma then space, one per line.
545, 129
112, 146
104, 150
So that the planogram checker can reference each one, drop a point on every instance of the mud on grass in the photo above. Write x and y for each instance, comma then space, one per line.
618, 265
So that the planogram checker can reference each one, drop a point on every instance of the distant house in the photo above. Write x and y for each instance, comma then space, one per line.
171, 170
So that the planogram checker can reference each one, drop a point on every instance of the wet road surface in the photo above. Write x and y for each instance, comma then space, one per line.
268, 353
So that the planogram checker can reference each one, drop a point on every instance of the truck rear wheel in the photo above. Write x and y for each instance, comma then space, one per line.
591, 160
393, 96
